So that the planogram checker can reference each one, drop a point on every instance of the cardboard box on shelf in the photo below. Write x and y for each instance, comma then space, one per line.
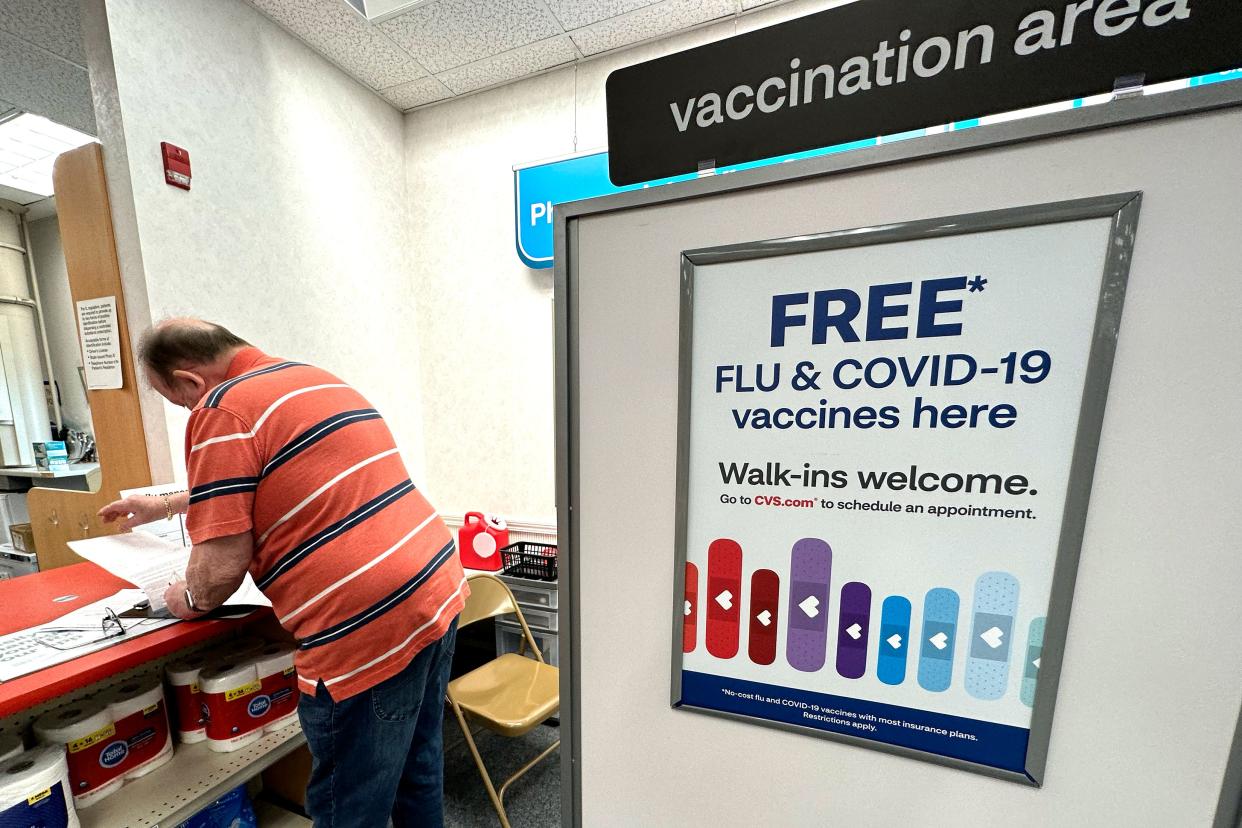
23, 537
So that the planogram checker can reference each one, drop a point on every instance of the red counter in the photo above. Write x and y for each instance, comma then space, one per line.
31, 600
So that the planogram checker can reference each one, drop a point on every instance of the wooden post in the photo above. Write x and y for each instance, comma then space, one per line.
85, 216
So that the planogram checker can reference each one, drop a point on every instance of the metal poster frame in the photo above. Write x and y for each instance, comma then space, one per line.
1118, 113
1123, 211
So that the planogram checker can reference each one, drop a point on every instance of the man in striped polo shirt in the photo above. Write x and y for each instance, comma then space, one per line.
295, 478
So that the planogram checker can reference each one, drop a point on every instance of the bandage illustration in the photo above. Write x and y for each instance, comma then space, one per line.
894, 640
937, 640
724, 597
810, 573
1034, 653
765, 591
991, 628
853, 630
690, 610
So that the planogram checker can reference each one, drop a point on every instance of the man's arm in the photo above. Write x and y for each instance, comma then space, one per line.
216, 569
136, 510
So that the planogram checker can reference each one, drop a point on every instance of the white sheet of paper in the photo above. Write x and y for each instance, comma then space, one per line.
151, 564
22, 652
100, 339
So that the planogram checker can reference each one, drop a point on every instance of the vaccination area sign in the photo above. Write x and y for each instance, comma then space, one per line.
879, 67
886, 443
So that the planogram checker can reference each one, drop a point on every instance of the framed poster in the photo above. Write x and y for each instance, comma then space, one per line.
886, 442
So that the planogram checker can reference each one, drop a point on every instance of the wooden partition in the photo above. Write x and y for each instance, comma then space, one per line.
86, 232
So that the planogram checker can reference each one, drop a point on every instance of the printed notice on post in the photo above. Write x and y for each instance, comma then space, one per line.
101, 343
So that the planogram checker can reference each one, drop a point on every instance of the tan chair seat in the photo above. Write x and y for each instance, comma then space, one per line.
509, 695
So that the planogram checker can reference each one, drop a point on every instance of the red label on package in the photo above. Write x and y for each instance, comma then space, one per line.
188, 702
281, 698
96, 759
235, 712
145, 733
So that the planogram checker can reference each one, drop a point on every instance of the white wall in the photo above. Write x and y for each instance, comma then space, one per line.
294, 234
60, 321
485, 319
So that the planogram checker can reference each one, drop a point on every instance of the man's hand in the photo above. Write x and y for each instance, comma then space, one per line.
174, 597
134, 510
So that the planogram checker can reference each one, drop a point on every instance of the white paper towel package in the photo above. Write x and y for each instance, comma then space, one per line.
140, 715
10, 746
187, 699
34, 790
95, 754
279, 683
234, 706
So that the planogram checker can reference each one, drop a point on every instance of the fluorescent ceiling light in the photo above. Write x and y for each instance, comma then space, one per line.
378, 10
29, 146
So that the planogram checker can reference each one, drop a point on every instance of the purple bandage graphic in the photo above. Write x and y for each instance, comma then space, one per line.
852, 629
810, 572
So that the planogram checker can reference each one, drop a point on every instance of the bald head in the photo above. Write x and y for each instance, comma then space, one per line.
185, 357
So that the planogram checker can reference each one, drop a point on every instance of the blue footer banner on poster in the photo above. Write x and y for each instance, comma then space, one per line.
984, 743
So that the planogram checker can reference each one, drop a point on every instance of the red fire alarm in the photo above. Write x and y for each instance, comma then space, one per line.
176, 165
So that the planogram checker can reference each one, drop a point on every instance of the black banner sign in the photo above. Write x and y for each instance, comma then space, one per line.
879, 67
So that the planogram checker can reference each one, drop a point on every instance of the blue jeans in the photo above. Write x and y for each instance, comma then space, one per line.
380, 753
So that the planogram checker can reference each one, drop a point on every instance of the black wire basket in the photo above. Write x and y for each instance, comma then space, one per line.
527, 559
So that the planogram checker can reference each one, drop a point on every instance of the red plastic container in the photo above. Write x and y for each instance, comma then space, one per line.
480, 540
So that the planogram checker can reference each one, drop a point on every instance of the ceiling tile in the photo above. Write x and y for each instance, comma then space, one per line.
760, 17
37, 82
754, 4
511, 65
649, 22
55, 25
445, 34
423, 91
574, 14
340, 34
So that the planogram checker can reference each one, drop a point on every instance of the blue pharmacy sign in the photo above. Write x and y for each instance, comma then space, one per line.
540, 187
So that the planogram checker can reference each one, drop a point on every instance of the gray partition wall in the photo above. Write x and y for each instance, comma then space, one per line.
1150, 680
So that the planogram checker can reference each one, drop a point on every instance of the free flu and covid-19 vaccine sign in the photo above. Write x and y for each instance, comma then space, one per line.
877, 445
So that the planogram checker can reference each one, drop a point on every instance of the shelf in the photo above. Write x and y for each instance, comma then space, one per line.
70, 470
195, 778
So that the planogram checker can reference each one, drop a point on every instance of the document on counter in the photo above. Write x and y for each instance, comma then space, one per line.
77, 633
151, 563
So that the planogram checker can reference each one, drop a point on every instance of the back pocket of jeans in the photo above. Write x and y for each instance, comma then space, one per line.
398, 698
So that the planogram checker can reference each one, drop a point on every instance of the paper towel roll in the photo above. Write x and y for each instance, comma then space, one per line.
87, 731
234, 705
183, 676
141, 717
34, 790
185, 670
10, 746
274, 658
275, 665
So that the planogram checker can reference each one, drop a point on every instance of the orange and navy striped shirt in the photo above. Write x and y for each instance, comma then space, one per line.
356, 562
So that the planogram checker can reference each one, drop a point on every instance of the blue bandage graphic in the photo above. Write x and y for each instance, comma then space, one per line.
894, 640
1034, 653
940, 609
991, 628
